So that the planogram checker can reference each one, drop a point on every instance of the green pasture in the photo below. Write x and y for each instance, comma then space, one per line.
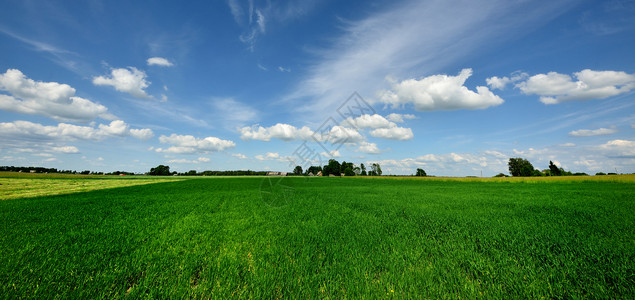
275, 237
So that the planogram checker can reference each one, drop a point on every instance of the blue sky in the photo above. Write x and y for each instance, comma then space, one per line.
453, 87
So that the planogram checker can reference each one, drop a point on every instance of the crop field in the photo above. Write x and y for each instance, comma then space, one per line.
292, 237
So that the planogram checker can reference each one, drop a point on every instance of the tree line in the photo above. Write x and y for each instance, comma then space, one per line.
520, 167
336, 168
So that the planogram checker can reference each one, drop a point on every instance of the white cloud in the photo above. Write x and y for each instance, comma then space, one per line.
440, 92
279, 131
261, 21
188, 161
236, 10
393, 133
619, 148
592, 132
567, 145
131, 81
404, 38
531, 152
69, 132
498, 83
333, 153
340, 135
142, 134
556, 88
65, 149
369, 121
159, 61
399, 118
382, 128
281, 69
268, 156
495, 153
368, 148
50, 99
238, 155
187, 144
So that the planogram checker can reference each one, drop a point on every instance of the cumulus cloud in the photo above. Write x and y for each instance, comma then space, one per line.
333, 153
130, 80
279, 131
238, 155
382, 128
368, 148
268, 156
159, 61
187, 144
619, 148
70, 132
440, 92
369, 121
441, 163
188, 161
500, 82
65, 149
393, 133
399, 118
51, 99
592, 132
495, 153
555, 88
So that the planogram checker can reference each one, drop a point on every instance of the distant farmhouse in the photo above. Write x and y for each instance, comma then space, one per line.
276, 173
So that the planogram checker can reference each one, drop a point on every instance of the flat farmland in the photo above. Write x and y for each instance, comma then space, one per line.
293, 237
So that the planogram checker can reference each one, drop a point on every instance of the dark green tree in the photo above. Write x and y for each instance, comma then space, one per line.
349, 171
160, 170
297, 170
421, 172
520, 167
554, 170
313, 169
363, 173
375, 170
332, 168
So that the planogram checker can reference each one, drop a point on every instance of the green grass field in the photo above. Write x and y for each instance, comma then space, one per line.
255, 237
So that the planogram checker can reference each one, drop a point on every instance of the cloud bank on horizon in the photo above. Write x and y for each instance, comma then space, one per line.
456, 87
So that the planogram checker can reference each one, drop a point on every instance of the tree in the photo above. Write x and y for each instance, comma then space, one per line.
520, 167
332, 168
313, 169
363, 173
160, 170
297, 170
349, 171
375, 170
421, 173
554, 170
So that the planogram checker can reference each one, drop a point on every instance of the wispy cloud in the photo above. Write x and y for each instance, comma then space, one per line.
65, 58
416, 37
